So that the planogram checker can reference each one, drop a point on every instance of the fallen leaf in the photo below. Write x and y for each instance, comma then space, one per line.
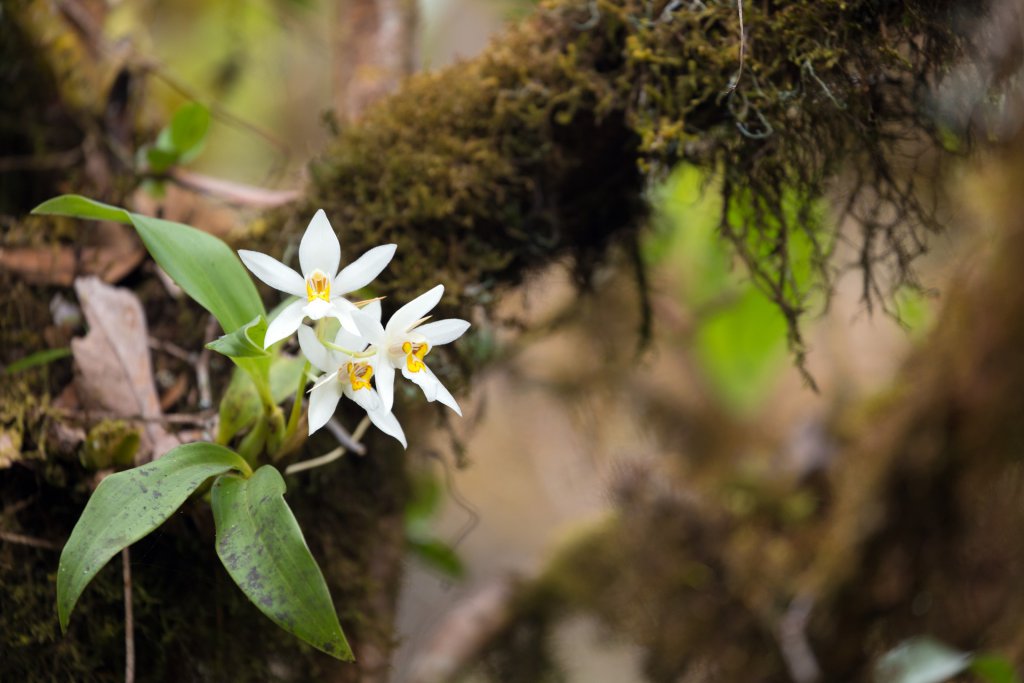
112, 251
114, 372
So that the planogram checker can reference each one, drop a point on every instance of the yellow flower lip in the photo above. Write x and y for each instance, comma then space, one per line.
414, 354
318, 286
359, 375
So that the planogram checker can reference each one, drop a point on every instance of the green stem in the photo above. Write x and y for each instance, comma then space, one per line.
293, 418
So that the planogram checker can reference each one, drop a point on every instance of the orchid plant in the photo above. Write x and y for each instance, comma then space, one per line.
357, 357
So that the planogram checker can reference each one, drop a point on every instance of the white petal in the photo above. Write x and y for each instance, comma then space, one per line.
388, 423
314, 351
285, 324
369, 327
367, 399
384, 377
347, 340
319, 248
414, 310
363, 270
445, 397
318, 308
273, 272
372, 309
323, 401
443, 331
343, 311
425, 380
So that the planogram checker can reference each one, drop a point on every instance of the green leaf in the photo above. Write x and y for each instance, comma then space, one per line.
202, 265
921, 660
159, 160
77, 206
188, 129
245, 342
994, 669
205, 267
127, 506
262, 547
36, 359
241, 405
438, 555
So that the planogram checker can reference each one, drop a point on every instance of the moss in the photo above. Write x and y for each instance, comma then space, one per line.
539, 150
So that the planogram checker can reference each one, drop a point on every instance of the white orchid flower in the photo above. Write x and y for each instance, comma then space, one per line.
404, 343
344, 375
320, 286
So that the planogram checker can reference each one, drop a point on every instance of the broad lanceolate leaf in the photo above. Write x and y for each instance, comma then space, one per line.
262, 547
128, 505
202, 265
77, 206
205, 267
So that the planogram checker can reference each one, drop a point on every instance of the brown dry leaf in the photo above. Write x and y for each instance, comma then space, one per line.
113, 251
112, 362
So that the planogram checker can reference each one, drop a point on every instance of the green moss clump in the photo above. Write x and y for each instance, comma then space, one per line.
539, 149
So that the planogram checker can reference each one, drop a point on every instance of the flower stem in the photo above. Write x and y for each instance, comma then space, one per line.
332, 455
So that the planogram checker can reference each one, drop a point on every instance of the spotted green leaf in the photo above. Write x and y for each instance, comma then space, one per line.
262, 547
129, 505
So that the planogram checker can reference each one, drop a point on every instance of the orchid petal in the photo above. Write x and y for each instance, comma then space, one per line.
323, 401
319, 248
347, 340
425, 380
343, 311
364, 269
318, 308
372, 309
384, 378
369, 327
445, 397
413, 311
273, 272
285, 324
388, 423
315, 352
443, 331
367, 399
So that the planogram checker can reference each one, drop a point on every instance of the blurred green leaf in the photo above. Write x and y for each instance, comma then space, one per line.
994, 669
438, 555
260, 544
188, 129
921, 660
127, 506
36, 359
159, 160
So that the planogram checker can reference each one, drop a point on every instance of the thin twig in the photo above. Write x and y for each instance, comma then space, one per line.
200, 418
232, 192
349, 441
203, 366
793, 643
332, 455
129, 620
28, 540
735, 81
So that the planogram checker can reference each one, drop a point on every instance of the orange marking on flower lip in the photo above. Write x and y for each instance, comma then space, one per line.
414, 354
318, 286
359, 375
